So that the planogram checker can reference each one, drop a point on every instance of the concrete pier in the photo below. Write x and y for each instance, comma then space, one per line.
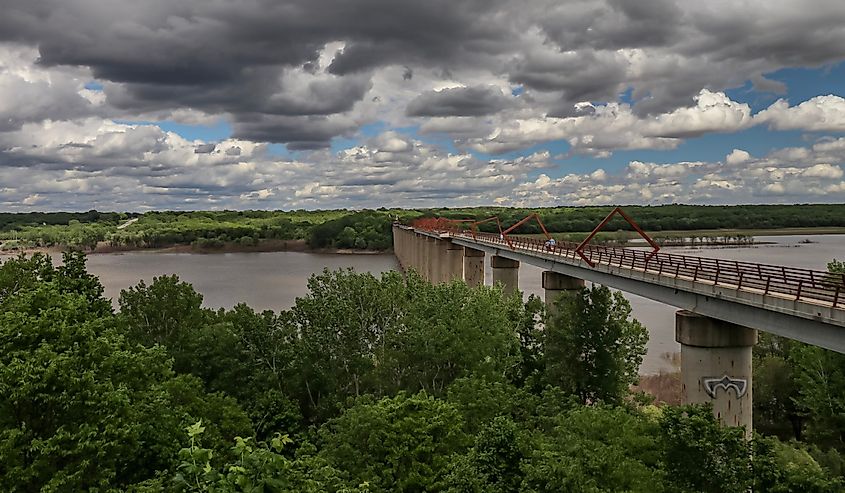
473, 267
419, 254
429, 266
440, 267
556, 284
454, 264
505, 271
716, 366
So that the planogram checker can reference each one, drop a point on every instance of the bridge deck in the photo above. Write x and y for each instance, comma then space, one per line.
801, 304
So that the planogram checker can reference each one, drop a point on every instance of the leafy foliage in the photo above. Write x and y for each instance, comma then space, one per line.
402, 443
592, 347
367, 384
80, 406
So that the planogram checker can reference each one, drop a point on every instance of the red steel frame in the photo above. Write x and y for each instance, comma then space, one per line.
474, 225
520, 223
618, 210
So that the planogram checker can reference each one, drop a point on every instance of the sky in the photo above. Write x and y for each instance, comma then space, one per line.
315, 104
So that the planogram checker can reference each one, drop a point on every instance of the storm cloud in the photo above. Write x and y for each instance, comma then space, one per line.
460, 101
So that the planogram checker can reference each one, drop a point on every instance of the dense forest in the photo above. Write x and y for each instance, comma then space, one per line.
375, 384
370, 229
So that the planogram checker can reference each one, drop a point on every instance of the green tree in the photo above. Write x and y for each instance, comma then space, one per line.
700, 455
261, 466
591, 345
494, 462
776, 388
786, 468
820, 376
403, 443
81, 407
357, 334
161, 312
595, 449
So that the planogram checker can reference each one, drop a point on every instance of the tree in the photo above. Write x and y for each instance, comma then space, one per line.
700, 455
81, 407
167, 312
494, 462
595, 449
258, 466
780, 467
591, 346
818, 378
358, 334
404, 443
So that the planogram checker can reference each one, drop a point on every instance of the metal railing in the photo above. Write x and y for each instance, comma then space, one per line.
793, 282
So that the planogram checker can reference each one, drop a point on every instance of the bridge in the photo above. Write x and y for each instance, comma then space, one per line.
722, 302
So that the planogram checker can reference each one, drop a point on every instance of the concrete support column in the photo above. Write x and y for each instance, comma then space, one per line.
440, 272
430, 254
397, 249
716, 366
410, 248
505, 271
555, 284
473, 267
417, 254
421, 246
400, 246
454, 262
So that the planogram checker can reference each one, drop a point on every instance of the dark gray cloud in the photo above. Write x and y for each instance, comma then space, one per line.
579, 76
460, 101
299, 72
231, 56
614, 24
299, 133
204, 148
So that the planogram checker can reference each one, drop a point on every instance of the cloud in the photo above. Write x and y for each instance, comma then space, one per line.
112, 166
252, 61
820, 114
30, 93
460, 101
615, 126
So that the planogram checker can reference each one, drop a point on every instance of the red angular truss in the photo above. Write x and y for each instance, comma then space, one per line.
618, 210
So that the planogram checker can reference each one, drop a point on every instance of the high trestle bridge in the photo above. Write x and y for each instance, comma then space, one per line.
722, 302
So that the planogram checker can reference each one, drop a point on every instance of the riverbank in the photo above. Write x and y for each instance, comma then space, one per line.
228, 247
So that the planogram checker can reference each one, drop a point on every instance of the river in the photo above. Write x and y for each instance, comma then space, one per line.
274, 280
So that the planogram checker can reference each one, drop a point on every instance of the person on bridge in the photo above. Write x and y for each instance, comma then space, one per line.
550, 244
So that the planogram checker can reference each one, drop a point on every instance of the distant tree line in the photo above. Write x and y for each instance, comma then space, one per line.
367, 384
660, 218
370, 229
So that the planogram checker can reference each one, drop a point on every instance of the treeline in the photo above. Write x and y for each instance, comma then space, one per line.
12, 221
660, 218
366, 385
362, 230
370, 229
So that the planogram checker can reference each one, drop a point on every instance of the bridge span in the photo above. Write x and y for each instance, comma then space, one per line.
723, 303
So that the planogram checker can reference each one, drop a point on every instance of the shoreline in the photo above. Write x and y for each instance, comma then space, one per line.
264, 246
302, 246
